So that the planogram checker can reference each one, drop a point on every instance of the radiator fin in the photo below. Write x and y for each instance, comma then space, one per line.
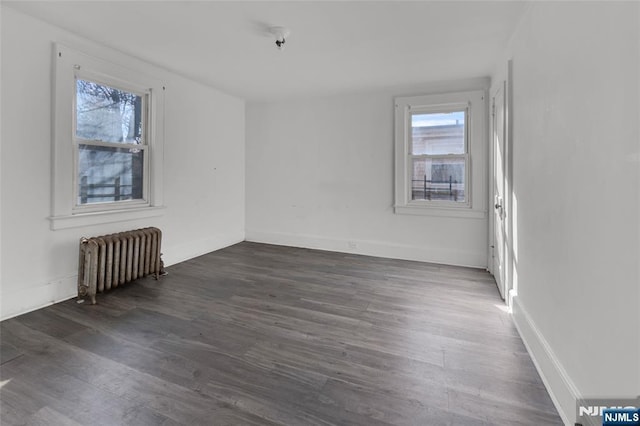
107, 261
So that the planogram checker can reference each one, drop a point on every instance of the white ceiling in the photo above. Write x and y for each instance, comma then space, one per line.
338, 46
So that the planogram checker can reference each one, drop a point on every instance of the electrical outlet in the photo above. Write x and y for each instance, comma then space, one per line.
352, 245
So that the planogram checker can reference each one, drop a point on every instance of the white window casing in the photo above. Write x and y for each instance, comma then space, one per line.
473, 103
70, 65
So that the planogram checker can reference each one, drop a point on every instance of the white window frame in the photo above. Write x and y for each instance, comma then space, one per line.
70, 65
145, 94
434, 109
474, 105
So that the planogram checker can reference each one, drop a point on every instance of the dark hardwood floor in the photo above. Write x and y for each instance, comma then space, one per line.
257, 334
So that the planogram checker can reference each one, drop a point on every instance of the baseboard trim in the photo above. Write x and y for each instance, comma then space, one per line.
180, 253
32, 298
561, 388
372, 248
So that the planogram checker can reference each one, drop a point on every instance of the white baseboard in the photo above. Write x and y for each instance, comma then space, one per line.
373, 248
33, 297
30, 298
179, 253
561, 388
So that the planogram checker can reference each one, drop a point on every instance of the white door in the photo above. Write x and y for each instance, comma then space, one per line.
499, 231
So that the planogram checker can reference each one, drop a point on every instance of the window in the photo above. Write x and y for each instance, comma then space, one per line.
438, 150
437, 136
110, 144
107, 163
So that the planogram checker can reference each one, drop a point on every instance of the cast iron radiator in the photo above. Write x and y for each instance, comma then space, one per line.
111, 260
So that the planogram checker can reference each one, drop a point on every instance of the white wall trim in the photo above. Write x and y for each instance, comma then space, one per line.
372, 248
183, 252
33, 297
69, 64
475, 103
561, 388
441, 212
99, 218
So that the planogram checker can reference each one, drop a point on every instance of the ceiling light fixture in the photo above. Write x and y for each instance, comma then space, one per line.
280, 33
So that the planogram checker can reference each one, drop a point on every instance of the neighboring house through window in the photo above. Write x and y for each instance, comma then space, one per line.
439, 156
436, 139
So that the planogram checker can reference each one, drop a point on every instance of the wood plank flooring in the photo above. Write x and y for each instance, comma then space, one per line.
256, 334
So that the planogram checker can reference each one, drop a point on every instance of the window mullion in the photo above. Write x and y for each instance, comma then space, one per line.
436, 156
120, 145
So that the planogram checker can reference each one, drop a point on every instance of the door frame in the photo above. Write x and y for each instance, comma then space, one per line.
505, 84
497, 223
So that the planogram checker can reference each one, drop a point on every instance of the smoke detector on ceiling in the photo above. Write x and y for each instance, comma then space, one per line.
280, 34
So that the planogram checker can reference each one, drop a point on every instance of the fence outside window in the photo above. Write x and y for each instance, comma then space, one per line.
104, 192
427, 189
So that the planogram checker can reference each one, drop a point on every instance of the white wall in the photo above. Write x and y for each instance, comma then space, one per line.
203, 171
576, 196
320, 175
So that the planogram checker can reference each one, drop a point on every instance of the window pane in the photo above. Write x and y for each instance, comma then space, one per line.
107, 114
438, 133
107, 174
438, 179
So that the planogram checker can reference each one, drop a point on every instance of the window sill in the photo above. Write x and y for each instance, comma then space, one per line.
98, 218
464, 213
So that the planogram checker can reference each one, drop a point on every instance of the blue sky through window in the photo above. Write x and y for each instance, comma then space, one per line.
437, 119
